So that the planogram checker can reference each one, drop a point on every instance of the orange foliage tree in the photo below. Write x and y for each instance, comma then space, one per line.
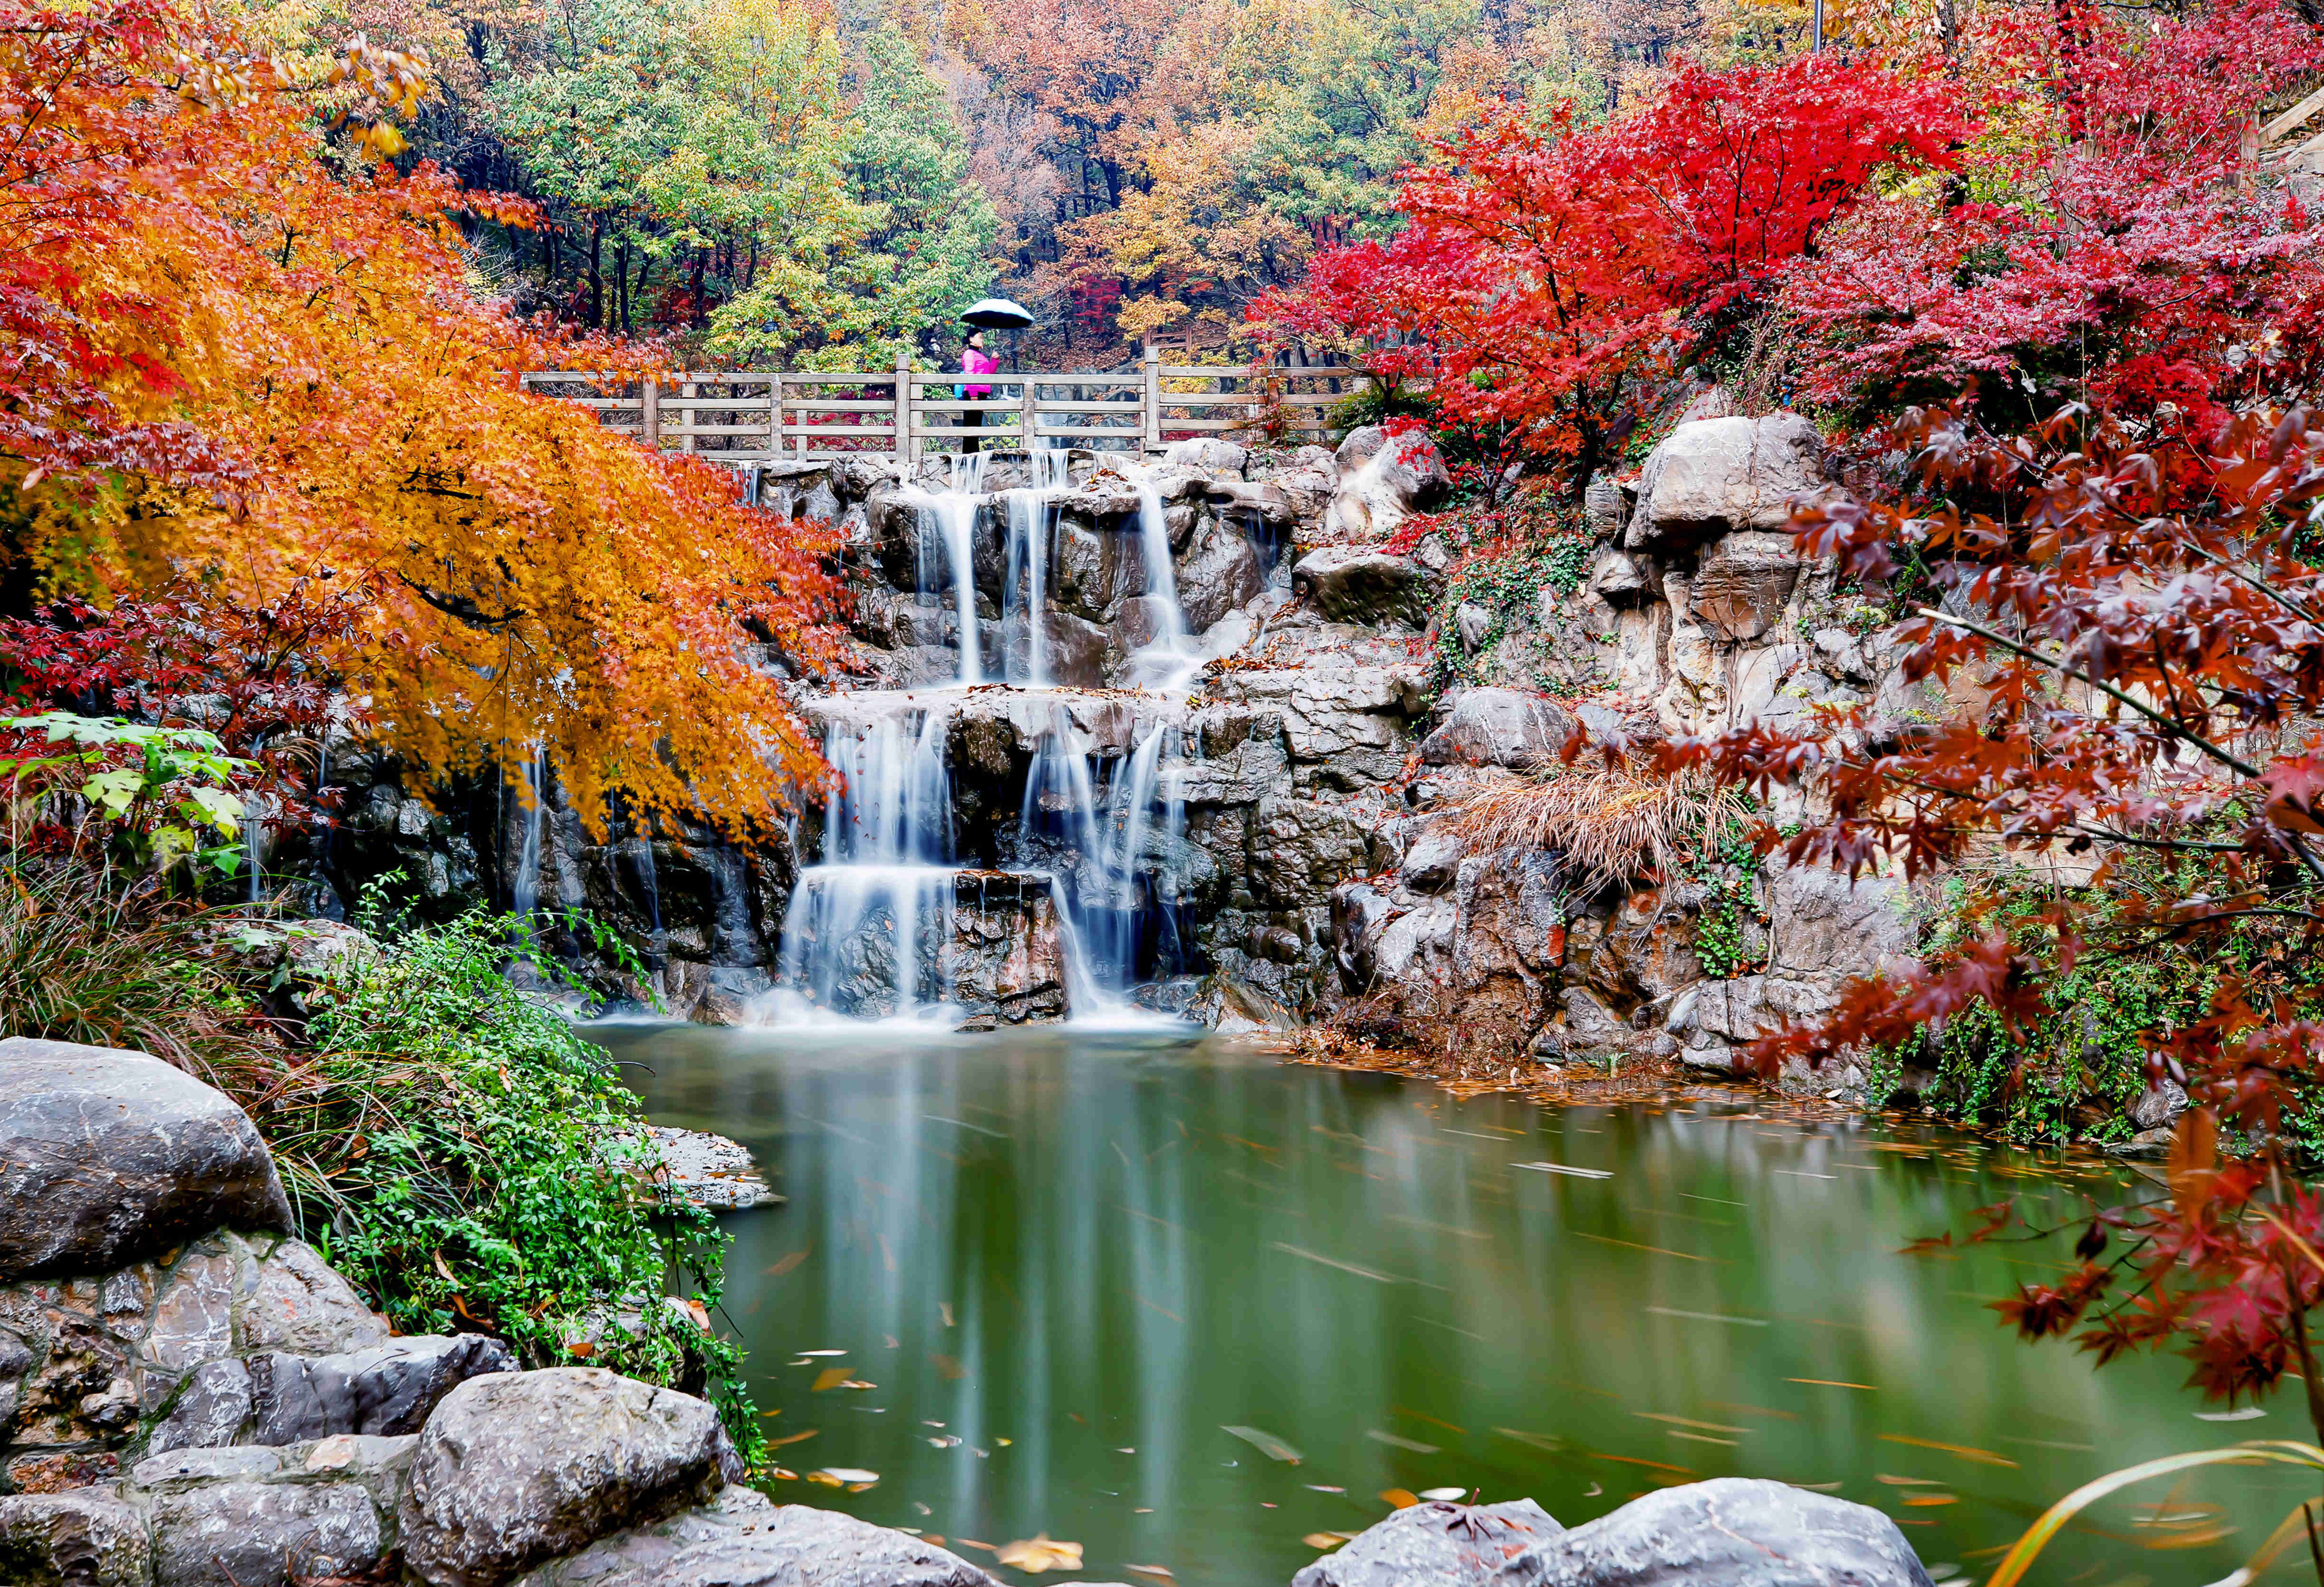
237, 349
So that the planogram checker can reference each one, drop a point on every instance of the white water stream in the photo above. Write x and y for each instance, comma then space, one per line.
871, 927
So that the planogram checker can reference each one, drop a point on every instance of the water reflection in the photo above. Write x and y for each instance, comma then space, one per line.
1186, 1306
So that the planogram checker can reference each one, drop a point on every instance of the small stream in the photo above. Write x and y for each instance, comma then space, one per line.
1104, 1287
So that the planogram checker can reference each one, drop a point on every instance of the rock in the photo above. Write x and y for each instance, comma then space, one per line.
210, 1411
86, 1539
1615, 578
1206, 455
265, 1534
1432, 863
1733, 1532
1498, 727
741, 1538
109, 1157
1426, 1545
1605, 509
384, 1392
1384, 480
1715, 476
744, 1540
708, 1171
1743, 582
1352, 585
171, 1473
2158, 1105
1474, 624
516, 1468
1219, 573
294, 1301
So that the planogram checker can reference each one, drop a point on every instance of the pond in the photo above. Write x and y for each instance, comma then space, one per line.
1188, 1306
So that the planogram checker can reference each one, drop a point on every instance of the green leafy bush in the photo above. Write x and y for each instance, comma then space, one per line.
453, 1148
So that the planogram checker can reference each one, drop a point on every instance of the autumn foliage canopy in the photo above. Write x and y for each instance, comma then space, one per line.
239, 355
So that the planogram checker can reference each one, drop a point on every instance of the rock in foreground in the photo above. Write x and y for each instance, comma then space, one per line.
1732, 1532
113, 1157
515, 1468
743, 1539
1434, 1546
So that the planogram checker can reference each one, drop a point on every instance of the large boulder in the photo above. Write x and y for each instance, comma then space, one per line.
386, 1390
742, 1539
1716, 476
1734, 1532
109, 1157
265, 1535
1352, 584
1384, 480
1434, 1546
1218, 572
1498, 727
516, 1468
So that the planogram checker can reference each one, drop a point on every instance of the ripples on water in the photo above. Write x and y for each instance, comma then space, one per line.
1102, 1285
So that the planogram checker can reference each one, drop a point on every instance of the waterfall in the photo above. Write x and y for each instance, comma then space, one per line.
524, 896
954, 512
1024, 600
867, 928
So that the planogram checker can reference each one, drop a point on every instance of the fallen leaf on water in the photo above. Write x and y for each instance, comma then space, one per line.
843, 1477
788, 1262
1267, 1443
1325, 1487
1004, 1442
812, 1352
794, 1438
2250, 1413
1442, 1493
949, 1369
1983, 1456
1923, 1500
1039, 1553
1161, 1571
785, 1476
830, 1378
972, 1542
1390, 1439
946, 1441
1402, 1498
858, 1383
1322, 1540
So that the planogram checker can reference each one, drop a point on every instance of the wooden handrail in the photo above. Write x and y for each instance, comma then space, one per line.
789, 412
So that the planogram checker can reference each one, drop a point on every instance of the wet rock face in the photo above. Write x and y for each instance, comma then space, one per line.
515, 1469
1353, 584
1383, 480
743, 1537
1717, 476
107, 1157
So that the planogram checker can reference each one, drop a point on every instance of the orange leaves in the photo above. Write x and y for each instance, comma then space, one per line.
225, 358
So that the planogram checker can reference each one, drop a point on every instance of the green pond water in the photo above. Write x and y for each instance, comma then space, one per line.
1106, 1288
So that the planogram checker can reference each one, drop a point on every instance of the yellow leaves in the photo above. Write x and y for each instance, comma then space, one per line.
831, 1378
1326, 1541
2192, 1164
1039, 1553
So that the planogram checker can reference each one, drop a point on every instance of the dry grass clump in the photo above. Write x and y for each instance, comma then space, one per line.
1608, 824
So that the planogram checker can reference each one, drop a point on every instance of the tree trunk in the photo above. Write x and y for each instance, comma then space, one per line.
621, 284
596, 273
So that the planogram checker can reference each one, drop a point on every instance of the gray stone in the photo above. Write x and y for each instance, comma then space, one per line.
1432, 863
1206, 455
1351, 584
1219, 573
210, 1411
1615, 576
1383, 480
1604, 508
1498, 727
190, 1468
516, 1468
194, 1321
265, 1534
744, 1540
1731, 1532
709, 1170
109, 1157
1474, 624
83, 1538
294, 1301
385, 1391
1713, 476
1426, 1545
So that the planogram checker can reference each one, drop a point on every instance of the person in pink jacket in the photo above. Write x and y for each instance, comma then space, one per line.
974, 360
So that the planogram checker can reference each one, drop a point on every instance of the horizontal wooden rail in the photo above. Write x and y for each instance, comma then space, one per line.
743, 416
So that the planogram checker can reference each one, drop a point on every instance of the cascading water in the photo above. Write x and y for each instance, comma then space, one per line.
524, 895
865, 933
870, 929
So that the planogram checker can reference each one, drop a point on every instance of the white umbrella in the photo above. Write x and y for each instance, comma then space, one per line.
998, 314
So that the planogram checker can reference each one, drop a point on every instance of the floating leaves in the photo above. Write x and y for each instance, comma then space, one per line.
1267, 1443
1041, 1553
1326, 1541
853, 1478
1444, 1494
1402, 1498
831, 1378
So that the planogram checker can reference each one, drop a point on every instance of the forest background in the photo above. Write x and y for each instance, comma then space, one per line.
825, 183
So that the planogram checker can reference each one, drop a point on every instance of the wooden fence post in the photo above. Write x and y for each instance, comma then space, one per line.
1030, 407
1153, 398
774, 415
688, 409
650, 412
904, 414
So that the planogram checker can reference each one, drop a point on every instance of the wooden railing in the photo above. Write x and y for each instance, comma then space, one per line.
754, 416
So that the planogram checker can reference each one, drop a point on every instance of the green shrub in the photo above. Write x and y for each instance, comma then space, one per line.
451, 1145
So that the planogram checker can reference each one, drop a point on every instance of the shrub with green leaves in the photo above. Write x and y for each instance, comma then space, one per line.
454, 1147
